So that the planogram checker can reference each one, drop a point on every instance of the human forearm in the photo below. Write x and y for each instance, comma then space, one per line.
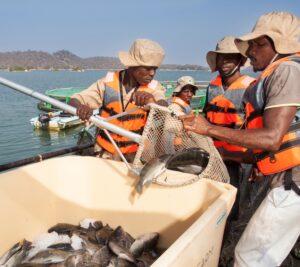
249, 138
74, 102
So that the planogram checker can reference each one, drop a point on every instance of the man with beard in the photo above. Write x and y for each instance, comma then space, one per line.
224, 106
272, 131
122, 91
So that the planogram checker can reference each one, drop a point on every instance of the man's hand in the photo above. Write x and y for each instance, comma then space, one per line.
195, 123
84, 112
142, 98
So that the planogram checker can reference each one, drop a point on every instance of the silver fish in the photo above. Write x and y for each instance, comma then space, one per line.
16, 254
144, 242
122, 238
48, 256
121, 252
151, 170
191, 160
102, 255
192, 168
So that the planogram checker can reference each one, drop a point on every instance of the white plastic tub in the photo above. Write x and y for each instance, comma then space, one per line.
190, 219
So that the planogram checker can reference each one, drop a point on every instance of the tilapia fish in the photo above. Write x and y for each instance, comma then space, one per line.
98, 245
191, 160
151, 170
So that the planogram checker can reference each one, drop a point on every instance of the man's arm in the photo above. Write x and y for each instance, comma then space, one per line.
89, 99
276, 122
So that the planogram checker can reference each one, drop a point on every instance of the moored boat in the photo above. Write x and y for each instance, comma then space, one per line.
64, 94
55, 121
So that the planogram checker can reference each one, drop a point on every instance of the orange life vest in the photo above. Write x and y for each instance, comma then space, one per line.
112, 105
288, 155
186, 108
225, 107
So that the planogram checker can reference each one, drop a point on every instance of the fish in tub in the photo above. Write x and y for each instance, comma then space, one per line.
190, 219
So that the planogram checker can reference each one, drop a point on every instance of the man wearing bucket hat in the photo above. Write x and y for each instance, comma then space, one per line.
122, 91
272, 130
224, 105
182, 95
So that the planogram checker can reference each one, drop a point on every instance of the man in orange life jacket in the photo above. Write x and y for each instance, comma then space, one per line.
224, 105
182, 95
272, 130
124, 90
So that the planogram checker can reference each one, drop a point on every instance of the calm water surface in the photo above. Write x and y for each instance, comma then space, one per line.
18, 139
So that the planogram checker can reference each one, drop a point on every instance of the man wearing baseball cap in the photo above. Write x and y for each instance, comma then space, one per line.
224, 105
124, 90
272, 131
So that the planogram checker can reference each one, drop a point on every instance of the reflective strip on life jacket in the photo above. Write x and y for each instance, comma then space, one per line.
224, 107
112, 105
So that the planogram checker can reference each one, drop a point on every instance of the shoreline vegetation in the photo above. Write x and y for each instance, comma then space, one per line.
65, 60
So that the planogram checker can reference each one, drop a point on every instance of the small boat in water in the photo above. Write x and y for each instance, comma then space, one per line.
55, 121
64, 94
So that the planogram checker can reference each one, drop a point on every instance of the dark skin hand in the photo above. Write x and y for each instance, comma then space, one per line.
133, 77
276, 122
84, 112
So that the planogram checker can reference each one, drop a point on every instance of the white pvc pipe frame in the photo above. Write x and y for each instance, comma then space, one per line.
98, 121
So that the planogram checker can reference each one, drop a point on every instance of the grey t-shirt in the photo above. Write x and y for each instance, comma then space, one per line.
283, 89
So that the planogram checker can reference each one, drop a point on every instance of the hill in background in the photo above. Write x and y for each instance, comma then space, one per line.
64, 59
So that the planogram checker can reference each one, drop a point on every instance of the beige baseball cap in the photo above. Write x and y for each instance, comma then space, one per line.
224, 46
143, 52
183, 81
282, 27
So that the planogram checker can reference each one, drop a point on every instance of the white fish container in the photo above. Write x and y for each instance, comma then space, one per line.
190, 219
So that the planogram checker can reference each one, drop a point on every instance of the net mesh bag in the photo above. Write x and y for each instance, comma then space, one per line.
164, 134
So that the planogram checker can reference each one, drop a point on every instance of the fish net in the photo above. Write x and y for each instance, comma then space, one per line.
164, 134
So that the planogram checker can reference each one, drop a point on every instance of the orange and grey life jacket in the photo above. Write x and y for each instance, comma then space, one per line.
186, 108
113, 104
288, 155
225, 107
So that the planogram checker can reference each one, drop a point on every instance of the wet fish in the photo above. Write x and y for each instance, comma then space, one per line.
143, 243
48, 256
146, 259
118, 262
62, 246
191, 160
122, 238
103, 234
63, 228
191, 168
102, 255
91, 223
151, 170
121, 252
15, 254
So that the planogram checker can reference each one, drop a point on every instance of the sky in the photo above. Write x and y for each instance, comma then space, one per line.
186, 29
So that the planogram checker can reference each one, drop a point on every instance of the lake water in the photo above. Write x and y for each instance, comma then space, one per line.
18, 139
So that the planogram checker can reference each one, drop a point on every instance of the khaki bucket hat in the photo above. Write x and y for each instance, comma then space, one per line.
224, 46
282, 27
183, 81
143, 52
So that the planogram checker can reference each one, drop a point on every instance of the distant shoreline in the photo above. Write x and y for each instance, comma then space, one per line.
82, 70
65, 60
